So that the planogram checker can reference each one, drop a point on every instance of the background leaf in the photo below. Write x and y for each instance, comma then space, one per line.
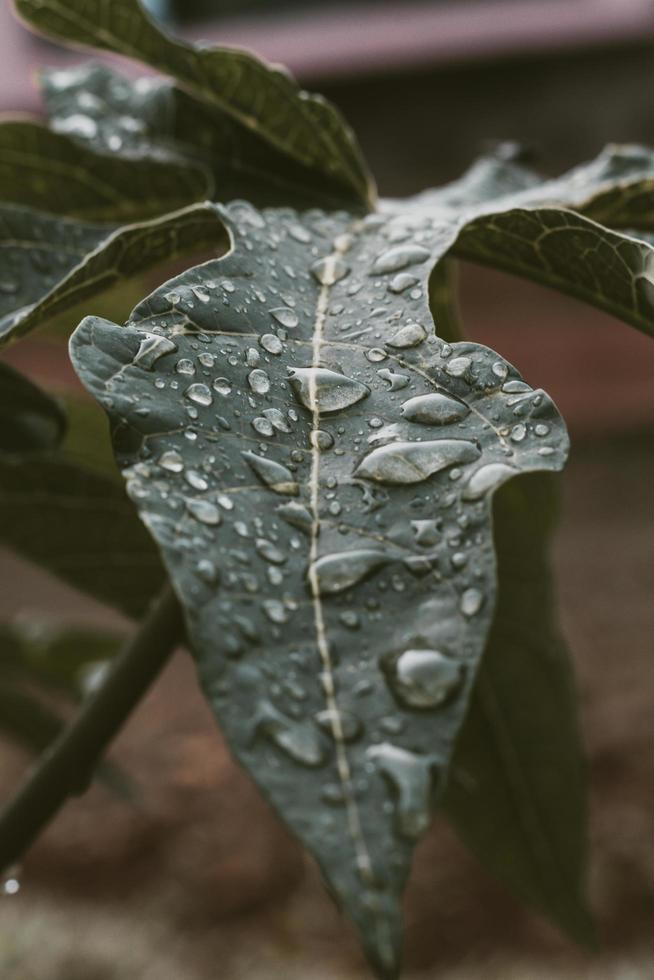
517, 792
30, 420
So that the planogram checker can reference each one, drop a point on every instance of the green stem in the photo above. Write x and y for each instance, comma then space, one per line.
66, 768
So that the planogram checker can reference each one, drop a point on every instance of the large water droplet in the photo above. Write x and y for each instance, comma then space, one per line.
410, 776
151, 348
434, 409
402, 281
458, 366
272, 474
412, 462
171, 461
424, 678
200, 394
271, 343
487, 478
398, 258
410, 335
222, 386
297, 515
322, 390
276, 419
337, 572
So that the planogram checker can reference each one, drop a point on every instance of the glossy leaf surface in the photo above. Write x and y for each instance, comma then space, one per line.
317, 468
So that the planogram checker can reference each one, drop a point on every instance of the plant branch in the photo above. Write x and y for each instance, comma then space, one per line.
66, 768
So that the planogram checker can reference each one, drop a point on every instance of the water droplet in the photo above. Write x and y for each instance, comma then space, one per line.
458, 366
376, 354
201, 293
263, 427
321, 440
171, 461
151, 348
396, 381
350, 619
297, 515
206, 359
426, 532
500, 370
252, 357
515, 387
410, 776
300, 234
434, 409
402, 281
185, 366
271, 343
10, 886
207, 571
275, 610
410, 335
339, 724
259, 381
329, 270
541, 430
338, 571
486, 478
412, 462
424, 678
196, 480
203, 510
322, 390
471, 602
272, 474
276, 419
300, 740
222, 386
399, 257
200, 394
270, 552
518, 432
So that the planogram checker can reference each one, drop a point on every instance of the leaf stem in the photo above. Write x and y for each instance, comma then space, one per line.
66, 768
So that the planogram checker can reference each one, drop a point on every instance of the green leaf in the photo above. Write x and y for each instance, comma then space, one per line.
30, 420
259, 98
311, 445
80, 526
51, 172
96, 105
53, 263
517, 793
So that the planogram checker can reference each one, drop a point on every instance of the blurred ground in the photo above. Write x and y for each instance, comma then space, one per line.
196, 879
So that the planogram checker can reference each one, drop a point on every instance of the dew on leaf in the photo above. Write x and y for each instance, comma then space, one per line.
424, 678
203, 510
200, 394
399, 257
409, 335
410, 776
271, 343
434, 409
471, 602
274, 475
412, 462
338, 571
322, 390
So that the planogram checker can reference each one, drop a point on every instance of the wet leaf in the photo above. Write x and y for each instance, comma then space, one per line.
317, 466
150, 118
30, 420
51, 263
258, 98
517, 791
80, 526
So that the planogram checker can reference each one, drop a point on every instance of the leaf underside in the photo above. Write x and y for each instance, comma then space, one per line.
316, 467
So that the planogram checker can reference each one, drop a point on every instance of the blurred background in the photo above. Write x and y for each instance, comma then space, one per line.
195, 878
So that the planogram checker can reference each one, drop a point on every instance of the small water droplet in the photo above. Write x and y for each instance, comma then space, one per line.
300, 740
330, 270
458, 366
171, 461
203, 510
410, 776
185, 366
272, 474
338, 571
259, 381
297, 515
402, 281
376, 354
222, 386
471, 602
321, 440
396, 381
270, 552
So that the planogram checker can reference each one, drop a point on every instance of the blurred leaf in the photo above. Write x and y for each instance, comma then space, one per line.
258, 98
30, 420
225, 437
80, 526
517, 792
96, 105
74, 262
50, 172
